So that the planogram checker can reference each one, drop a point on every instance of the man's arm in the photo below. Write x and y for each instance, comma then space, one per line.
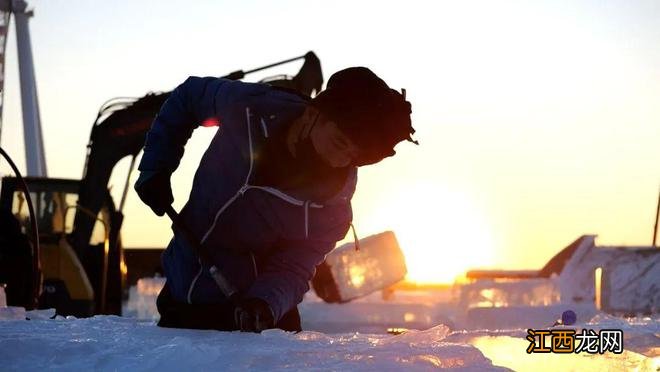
286, 275
198, 101
189, 105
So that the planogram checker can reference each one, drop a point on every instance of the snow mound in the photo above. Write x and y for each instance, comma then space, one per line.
115, 343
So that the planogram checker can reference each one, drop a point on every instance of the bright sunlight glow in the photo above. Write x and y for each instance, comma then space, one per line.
441, 232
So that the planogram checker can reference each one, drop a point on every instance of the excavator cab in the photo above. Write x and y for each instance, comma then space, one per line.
78, 281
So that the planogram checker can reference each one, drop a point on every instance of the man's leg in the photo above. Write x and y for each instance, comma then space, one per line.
290, 321
174, 314
169, 314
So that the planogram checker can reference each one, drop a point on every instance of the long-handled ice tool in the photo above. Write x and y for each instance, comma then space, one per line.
204, 256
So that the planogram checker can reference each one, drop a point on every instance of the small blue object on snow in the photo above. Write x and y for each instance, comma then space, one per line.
568, 317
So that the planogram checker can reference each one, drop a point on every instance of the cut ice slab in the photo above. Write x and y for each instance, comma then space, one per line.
114, 343
12, 313
348, 273
512, 317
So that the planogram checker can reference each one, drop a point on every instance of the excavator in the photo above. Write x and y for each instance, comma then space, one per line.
79, 267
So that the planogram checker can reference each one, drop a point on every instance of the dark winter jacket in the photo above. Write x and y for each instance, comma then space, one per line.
265, 241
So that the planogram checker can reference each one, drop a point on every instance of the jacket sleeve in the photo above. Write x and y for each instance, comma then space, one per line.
198, 101
285, 277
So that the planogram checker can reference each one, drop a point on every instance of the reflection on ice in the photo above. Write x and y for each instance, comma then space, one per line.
510, 351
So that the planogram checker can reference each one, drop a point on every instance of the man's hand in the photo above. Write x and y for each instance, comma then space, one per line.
253, 315
155, 190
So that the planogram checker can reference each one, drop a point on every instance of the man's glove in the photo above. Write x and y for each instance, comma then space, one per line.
155, 190
253, 315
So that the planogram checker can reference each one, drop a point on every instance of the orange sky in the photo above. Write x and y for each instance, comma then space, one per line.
537, 122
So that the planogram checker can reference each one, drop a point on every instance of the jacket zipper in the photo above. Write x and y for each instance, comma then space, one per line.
246, 186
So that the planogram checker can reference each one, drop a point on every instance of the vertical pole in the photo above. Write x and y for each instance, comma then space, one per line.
598, 288
34, 144
4, 30
655, 228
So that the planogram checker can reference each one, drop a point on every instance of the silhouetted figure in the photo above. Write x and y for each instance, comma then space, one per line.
272, 194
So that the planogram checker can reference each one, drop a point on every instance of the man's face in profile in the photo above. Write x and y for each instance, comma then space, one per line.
332, 145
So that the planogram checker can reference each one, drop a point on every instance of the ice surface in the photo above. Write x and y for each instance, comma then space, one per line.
115, 343
476, 326
12, 313
40, 314
514, 317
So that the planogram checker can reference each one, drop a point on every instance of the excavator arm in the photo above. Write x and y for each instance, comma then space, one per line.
119, 131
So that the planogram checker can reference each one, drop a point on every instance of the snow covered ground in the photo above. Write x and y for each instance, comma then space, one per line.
115, 343
354, 338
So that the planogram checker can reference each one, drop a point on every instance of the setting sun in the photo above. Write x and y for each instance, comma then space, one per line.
442, 232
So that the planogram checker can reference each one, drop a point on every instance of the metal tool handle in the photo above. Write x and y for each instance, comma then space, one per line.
225, 285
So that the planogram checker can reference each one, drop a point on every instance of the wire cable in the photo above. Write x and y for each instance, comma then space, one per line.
36, 265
